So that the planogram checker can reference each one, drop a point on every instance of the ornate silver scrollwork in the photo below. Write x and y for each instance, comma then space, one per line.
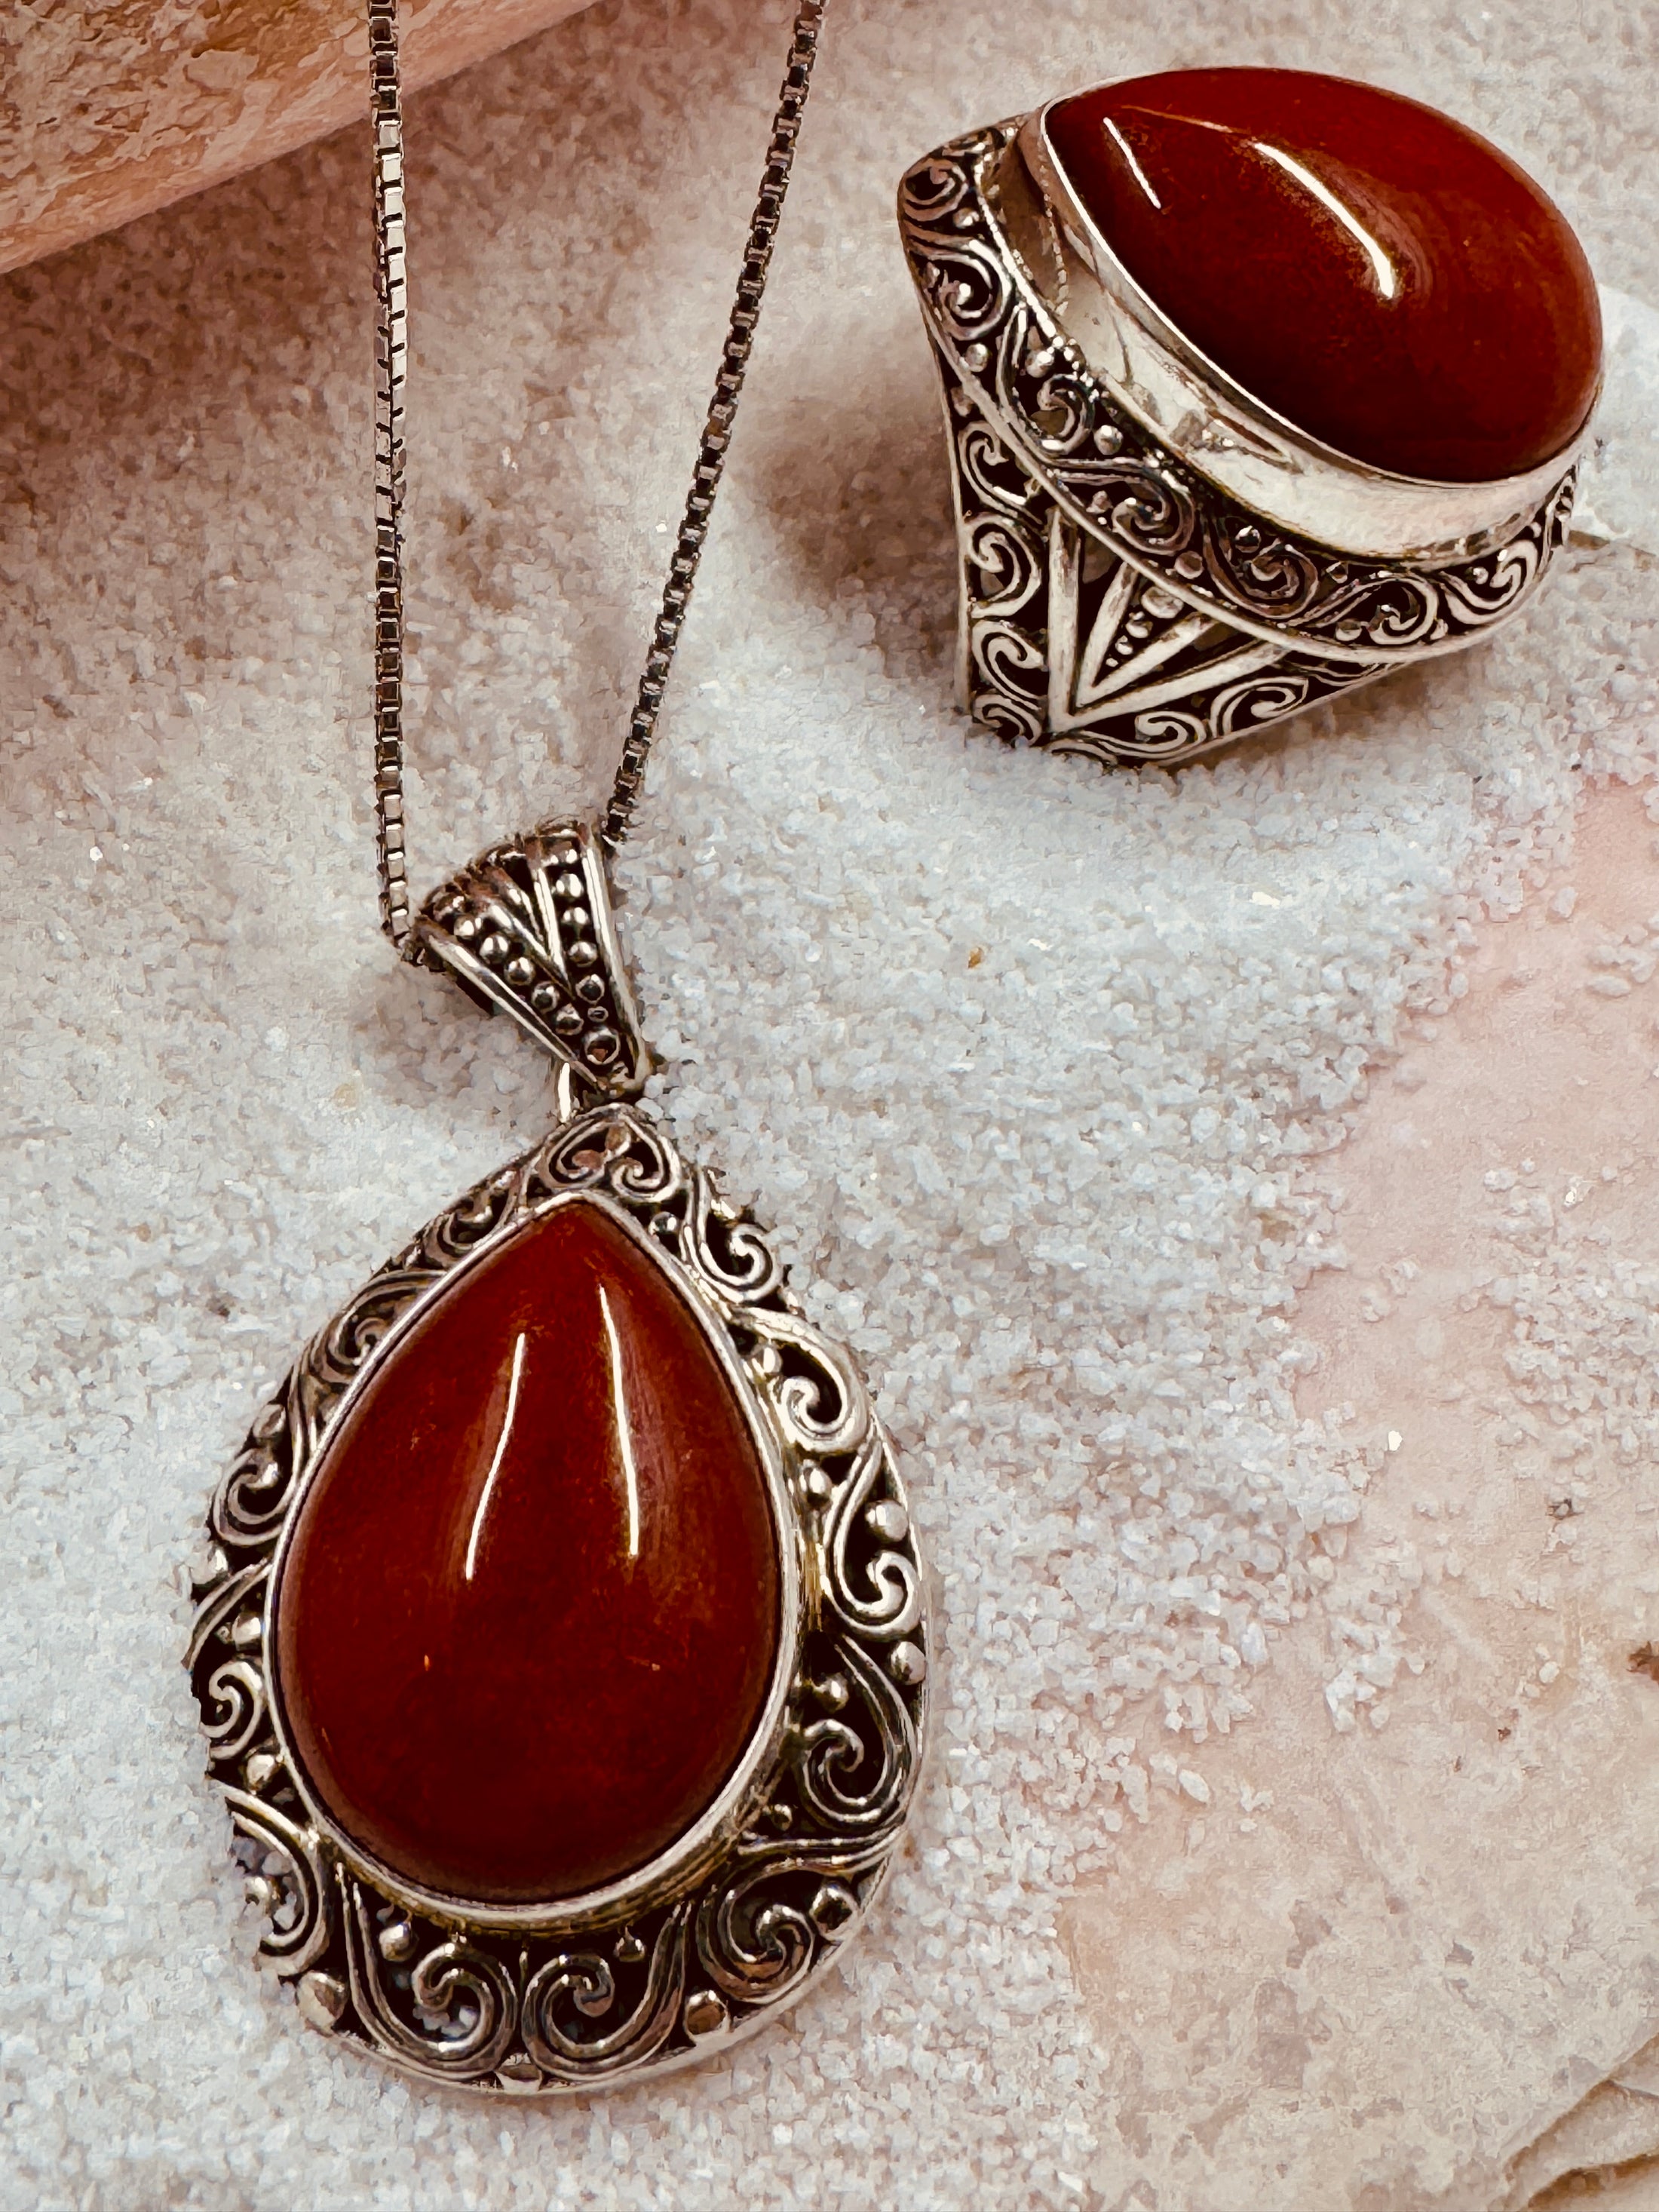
290, 1880
238, 1691
658, 1976
838, 1779
527, 931
453, 2015
585, 1983
1116, 597
872, 1581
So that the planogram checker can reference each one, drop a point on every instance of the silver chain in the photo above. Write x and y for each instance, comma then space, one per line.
391, 374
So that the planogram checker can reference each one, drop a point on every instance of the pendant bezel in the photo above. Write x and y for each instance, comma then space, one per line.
743, 1909
741, 1797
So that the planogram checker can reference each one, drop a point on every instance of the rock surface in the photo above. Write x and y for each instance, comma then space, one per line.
1396, 1915
111, 111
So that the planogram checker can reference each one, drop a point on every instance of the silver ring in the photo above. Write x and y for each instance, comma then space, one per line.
1154, 564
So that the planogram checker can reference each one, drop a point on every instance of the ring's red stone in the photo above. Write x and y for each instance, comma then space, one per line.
530, 1613
1376, 274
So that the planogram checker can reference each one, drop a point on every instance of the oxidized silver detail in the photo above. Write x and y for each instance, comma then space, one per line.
1116, 599
654, 1971
527, 931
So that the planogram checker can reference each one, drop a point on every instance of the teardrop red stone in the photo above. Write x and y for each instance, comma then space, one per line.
1378, 275
530, 1613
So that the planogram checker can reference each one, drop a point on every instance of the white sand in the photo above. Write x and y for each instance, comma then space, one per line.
1062, 1200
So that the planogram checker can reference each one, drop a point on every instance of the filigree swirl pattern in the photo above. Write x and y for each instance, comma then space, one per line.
1013, 663
752, 1945
585, 1993
991, 473
968, 286
1259, 573
873, 1585
302, 1926
251, 1500
930, 192
727, 1250
820, 1400
585, 1983
615, 1148
237, 1689
1244, 707
455, 2015
1038, 435
1008, 560
857, 1777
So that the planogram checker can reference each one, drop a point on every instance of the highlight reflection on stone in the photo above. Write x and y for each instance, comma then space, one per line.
1376, 273
530, 1609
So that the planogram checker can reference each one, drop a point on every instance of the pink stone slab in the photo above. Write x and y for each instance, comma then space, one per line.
113, 110
1392, 1918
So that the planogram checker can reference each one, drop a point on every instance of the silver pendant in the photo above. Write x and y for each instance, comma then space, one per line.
701, 1934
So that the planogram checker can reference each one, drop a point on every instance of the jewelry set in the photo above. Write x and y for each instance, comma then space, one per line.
563, 1657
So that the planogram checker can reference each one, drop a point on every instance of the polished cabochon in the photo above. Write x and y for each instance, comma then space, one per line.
530, 1609
1376, 273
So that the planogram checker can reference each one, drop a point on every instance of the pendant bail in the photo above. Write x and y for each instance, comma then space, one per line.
526, 930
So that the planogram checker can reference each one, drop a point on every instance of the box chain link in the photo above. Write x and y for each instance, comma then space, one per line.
391, 374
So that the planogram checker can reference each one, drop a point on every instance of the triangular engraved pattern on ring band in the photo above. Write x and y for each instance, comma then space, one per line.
1139, 645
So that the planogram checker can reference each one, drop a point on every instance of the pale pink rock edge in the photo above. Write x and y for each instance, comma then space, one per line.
115, 110
1382, 1925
